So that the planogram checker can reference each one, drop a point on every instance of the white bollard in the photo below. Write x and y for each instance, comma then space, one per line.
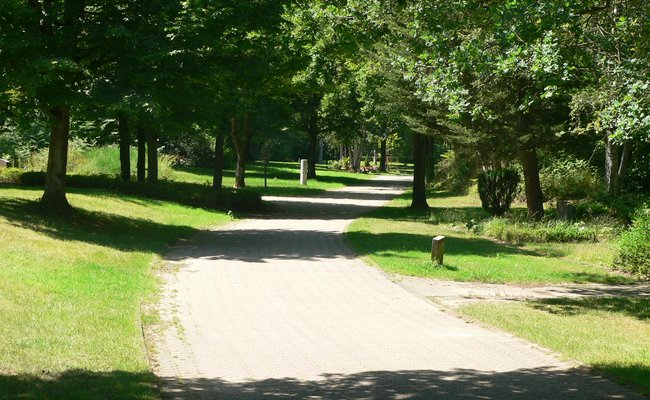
303, 171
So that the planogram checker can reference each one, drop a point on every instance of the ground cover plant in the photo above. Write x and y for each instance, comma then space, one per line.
398, 239
71, 291
611, 334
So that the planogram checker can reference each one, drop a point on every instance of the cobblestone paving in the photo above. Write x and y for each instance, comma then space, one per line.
278, 307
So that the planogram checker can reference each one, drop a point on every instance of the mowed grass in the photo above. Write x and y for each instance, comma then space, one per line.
398, 240
611, 334
71, 291
283, 178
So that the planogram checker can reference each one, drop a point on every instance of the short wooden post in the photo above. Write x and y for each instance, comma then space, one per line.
438, 249
303, 171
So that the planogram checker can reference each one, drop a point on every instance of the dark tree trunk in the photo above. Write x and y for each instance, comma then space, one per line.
313, 152
241, 141
217, 176
383, 165
125, 147
152, 156
419, 186
534, 196
142, 154
429, 161
54, 197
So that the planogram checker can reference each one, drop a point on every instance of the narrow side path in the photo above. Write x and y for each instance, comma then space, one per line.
278, 307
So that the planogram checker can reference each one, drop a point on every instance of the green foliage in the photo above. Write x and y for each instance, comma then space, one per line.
569, 179
454, 172
10, 175
634, 245
497, 189
340, 164
510, 231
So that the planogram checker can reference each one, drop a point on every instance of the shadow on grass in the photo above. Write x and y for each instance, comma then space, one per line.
81, 385
115, 231
635, 307
531, 383
369, 243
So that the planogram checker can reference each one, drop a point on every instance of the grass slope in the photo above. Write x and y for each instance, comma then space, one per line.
71, 290
611, 334
398, 240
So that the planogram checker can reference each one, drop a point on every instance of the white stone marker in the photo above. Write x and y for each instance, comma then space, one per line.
4, 163
438, 249
303, 171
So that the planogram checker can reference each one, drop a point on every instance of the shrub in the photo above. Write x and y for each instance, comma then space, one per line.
10, 175
507, 230
454, 172
497, 189
569, 179
634, 245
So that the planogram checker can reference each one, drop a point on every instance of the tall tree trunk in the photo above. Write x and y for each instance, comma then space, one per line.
622, 165
313, 152
534, 196
612, 165
383, 165
241, 141
419, 186
429, 161
217, 176
152, 156
125, 147
54, 197
142, 153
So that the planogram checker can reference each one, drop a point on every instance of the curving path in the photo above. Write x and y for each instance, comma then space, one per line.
278, 307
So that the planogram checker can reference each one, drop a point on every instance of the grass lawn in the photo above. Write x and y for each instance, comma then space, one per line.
283, 178
71, 292
398, 240
611, 334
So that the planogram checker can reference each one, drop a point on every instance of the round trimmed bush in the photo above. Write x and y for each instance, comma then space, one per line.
497, 189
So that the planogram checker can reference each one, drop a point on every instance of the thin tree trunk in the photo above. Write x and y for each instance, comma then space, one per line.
125, 147
383, 166
241, 141
534, 196
419, 186
142, 154
612, 165
313, 152
622, 166
217, 176
54, 197
152, 156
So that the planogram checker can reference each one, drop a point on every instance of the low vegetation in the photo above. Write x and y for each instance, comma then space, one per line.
398, 239
610, 334
71, 291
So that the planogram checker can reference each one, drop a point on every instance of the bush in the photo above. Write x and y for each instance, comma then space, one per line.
10, 175
511, 231
497, 189
634, 246
569, 179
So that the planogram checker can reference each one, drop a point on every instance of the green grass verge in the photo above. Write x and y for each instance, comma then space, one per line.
610, 334
398, 240
71, 292
283, 178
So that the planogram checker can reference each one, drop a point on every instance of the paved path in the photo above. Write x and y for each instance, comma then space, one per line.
279, 308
